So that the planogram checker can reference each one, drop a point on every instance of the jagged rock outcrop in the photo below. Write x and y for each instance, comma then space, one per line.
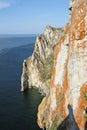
37, 69
69, 76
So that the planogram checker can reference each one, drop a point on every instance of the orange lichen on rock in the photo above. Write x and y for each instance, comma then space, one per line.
69, 75
78, 20
58, 90
82, 104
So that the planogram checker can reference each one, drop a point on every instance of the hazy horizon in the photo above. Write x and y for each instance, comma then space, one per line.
31, 17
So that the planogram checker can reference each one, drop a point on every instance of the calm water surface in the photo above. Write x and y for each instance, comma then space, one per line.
17, 110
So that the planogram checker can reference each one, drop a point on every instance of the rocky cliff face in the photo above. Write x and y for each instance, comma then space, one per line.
69, 76
37, 69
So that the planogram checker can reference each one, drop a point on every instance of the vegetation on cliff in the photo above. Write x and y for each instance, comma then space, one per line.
38, 68
46, 70
69, 75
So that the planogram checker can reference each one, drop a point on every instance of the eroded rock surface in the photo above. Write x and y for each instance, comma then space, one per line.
37, 69
69, 76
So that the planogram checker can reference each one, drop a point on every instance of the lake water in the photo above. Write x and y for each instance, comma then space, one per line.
18, 111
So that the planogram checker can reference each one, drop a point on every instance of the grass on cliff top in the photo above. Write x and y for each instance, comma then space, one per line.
59, 29
46, 70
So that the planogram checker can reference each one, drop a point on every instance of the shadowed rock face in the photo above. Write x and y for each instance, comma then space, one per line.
85, 126
69, 122
86, 120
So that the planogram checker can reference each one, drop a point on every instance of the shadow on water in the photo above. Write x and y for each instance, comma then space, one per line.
32, 99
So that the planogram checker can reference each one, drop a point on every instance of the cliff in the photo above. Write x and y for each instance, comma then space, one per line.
58, 66
66, 104
37, 69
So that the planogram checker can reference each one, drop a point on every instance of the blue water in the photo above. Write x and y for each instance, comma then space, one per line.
18, 111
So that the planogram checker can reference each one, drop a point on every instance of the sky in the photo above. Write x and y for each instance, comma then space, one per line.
31, 16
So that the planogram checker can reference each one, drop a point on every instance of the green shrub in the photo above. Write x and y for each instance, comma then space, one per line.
85, 116
46, 70
85, 95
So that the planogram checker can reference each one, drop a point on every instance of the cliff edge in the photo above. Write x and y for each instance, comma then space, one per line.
58, 66
68, 85
37, 69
